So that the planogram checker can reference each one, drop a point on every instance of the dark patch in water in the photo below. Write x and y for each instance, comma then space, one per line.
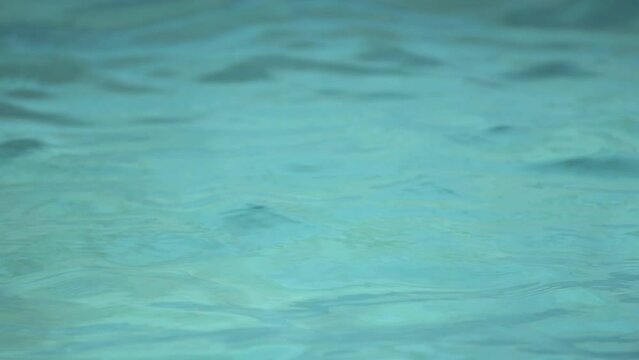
384, 95
495, 138
557, 45
335, 93
47, 70
397, 56
253, 218
162, 73
161, 120
629, 277
375, 33
126, 88
17, 147
420, 185
129, 61
366, 96
15, 112
29, 94
519, 44
241, 72
597, 166
302, 44
591, 15
39, 33
549, 70
500, 129
262, 68
486, 83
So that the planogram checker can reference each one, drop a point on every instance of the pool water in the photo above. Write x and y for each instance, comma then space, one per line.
319, 180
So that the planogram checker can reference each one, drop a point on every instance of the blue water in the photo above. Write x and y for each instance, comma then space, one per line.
319, 180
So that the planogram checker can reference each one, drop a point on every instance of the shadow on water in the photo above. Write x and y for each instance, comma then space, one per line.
611, 166
550, 70
263, 68
580, 14
17, 147
28, 94
50, 69
392, 55
9, 112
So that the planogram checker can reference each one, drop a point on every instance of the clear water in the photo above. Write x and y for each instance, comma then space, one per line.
319, 180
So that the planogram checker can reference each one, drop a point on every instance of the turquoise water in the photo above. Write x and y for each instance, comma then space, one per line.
319, 180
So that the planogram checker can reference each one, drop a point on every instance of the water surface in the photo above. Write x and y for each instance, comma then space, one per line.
319, 180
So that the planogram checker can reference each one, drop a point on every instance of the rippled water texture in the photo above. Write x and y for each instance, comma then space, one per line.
378, 179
